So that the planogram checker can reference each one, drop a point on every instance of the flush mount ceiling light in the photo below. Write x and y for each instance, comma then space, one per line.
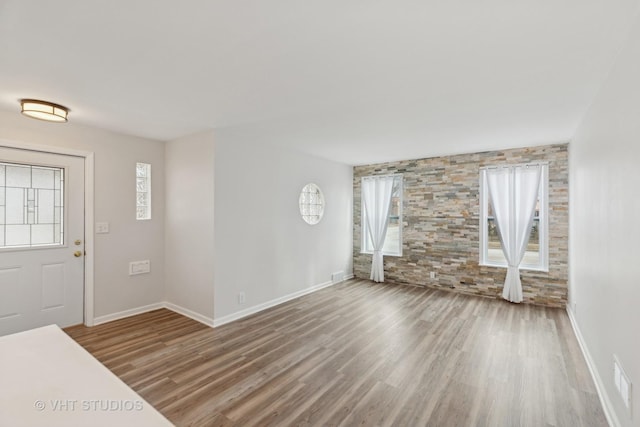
44, 110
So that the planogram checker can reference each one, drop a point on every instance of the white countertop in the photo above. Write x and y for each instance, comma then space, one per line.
47, 379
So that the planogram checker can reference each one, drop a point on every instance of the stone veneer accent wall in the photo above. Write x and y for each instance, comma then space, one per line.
441, 211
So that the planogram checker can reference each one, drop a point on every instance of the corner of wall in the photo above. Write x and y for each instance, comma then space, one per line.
189, 225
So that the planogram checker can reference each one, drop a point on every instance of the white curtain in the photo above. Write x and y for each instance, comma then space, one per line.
376, 196
513, 192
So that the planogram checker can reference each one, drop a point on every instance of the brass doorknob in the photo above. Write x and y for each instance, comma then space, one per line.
77, 254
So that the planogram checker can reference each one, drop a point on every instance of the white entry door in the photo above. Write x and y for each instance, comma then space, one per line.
41, 240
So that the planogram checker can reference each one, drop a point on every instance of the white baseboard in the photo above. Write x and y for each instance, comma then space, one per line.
127, 313
189, 313
277, 301
609, 412
146, 308
207, 320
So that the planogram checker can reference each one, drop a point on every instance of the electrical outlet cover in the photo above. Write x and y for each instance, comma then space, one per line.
624, 390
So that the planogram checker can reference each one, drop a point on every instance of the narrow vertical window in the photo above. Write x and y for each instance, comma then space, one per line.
143, 191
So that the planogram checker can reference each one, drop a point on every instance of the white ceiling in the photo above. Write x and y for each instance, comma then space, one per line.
354, 81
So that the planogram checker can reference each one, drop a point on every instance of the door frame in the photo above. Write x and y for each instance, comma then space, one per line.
88, 156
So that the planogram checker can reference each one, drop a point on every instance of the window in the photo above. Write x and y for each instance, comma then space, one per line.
536, 255
311, 203
393, 239
143, 191
31, 205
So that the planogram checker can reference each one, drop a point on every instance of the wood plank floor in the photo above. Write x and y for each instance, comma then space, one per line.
358, 353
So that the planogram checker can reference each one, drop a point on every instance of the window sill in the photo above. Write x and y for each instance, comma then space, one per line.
524, 267
383, 254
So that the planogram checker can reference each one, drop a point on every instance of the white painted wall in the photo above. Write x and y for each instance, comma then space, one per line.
262, 245
605, 228
128, 240
189, 223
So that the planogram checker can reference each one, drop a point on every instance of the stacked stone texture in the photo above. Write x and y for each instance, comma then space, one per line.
441, 214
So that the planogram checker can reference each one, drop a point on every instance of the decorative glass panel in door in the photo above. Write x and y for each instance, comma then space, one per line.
31, 205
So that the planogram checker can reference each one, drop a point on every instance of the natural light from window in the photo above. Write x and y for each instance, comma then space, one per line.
393, 240
143, 191
31, 205
535, 257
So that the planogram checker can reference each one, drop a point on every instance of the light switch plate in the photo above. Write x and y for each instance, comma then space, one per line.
102, 227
